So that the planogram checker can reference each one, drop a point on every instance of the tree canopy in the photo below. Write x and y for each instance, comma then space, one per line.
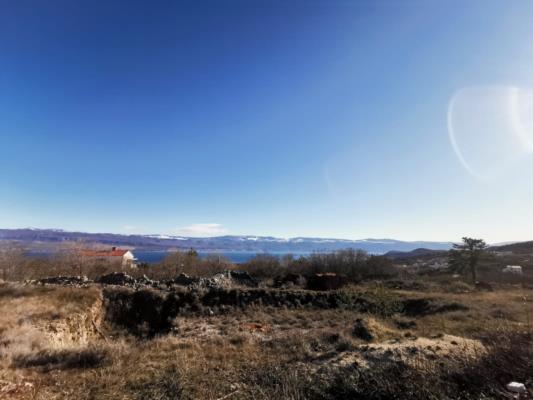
466, 255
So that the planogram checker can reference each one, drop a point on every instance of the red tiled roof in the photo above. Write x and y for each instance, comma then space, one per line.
104, 253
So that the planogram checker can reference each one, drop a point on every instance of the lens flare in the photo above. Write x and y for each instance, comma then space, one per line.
487, 130
522, 116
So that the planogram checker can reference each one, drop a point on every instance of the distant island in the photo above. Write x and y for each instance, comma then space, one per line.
51, 238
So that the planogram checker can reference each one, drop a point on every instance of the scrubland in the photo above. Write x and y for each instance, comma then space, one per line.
379, 333
432, 340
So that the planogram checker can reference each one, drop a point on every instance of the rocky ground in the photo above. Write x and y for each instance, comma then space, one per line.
224, 337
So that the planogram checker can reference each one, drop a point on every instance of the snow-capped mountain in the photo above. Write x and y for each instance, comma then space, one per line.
248, 243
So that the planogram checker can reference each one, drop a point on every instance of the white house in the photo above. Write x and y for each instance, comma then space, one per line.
124, 257
513, 269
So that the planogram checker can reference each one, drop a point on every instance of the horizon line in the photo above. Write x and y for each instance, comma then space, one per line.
246, 235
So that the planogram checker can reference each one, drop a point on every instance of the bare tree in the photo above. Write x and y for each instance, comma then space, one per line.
71, 257
11, 258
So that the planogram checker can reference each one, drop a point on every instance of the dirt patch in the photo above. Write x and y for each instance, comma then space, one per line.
415, 351
75, 329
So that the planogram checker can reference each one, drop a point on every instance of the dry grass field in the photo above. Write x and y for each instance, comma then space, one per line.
61, 343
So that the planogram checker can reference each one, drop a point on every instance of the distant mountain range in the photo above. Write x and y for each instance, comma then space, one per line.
51, 238
420, 253
516, 248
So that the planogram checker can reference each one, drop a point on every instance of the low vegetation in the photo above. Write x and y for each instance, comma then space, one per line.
389, 332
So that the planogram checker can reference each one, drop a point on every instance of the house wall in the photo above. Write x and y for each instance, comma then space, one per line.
128, 260
125, 261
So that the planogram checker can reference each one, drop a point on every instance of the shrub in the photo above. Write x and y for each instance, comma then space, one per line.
143, 313
387, 380
264, 266
356, 265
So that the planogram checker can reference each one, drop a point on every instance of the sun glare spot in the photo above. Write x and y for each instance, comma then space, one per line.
521, 102
487, 128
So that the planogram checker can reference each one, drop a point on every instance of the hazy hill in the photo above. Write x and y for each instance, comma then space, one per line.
416, 253
53, 237
516, 248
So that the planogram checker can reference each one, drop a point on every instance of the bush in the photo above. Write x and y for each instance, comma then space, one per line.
326, 281
188, 263
387, 380
143, 313
356, 265
264, 266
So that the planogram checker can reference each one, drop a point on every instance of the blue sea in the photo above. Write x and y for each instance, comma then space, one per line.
236, 257
153, 257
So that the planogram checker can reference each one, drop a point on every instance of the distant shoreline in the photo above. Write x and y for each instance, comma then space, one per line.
156, 256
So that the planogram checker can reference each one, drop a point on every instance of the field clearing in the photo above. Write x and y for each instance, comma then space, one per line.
57, 343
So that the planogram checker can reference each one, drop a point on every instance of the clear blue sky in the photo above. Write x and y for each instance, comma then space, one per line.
283, 118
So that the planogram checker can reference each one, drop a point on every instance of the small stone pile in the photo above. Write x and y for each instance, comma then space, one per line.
78, 281
223, 280
144, 280
243, 278
184, 280
117, 278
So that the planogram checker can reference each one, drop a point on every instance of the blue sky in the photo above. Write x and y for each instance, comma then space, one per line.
283, 118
